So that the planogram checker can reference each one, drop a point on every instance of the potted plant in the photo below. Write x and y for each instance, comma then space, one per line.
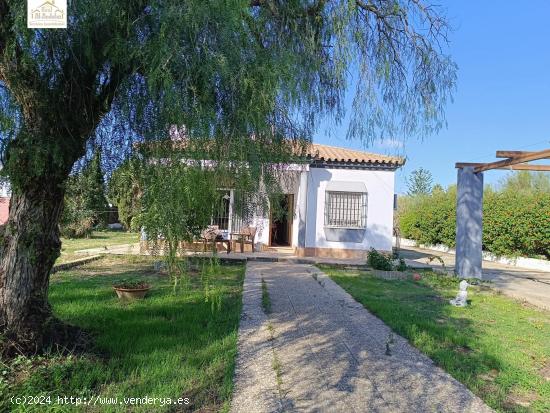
131, 289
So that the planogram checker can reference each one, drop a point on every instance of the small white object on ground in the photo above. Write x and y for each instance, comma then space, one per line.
462, 296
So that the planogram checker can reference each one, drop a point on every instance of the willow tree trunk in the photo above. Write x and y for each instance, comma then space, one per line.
30, 247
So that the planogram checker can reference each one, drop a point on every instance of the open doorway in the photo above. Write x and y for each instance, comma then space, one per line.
280, 234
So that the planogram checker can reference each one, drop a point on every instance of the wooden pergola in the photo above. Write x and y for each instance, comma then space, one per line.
469, 204
515, 160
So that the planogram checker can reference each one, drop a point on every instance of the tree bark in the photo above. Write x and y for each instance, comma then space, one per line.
30, 247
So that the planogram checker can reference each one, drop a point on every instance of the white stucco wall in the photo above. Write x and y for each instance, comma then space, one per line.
289, 185
380, 188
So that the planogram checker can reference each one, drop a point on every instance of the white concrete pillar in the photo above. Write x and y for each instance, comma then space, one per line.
469, 230
302, 210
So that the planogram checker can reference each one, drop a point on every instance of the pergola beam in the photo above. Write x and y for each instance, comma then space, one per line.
533, 156
518, 158
512, 154
521, 167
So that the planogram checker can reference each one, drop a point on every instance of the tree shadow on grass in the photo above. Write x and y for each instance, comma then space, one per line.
420, 312
167, 345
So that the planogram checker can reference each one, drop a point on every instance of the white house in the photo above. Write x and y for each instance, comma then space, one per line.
340, 205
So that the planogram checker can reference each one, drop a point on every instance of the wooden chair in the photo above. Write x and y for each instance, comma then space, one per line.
212, 235
246, 235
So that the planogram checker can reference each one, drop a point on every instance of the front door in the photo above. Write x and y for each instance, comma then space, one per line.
281, 222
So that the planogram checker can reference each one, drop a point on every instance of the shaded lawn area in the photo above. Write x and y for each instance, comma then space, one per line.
171, 344
96, 240
497, 347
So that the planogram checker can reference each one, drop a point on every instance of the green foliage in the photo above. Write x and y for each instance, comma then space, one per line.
228, 70
429, 218
77, 220
420, 182
526, 182
517, 223
94, 190
516, 219
85, 202
124, 191
401, 266
130, 283
178, 201
379, 261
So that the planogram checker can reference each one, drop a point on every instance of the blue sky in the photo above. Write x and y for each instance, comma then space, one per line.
502, 101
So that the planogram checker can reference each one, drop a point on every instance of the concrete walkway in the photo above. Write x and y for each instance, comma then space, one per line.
520, 283
321, 351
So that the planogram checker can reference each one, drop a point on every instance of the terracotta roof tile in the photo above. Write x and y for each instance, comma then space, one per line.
328, 153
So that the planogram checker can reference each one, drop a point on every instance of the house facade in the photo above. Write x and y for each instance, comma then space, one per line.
340, 204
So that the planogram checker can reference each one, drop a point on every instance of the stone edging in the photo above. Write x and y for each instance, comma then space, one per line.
522, 262
75, 263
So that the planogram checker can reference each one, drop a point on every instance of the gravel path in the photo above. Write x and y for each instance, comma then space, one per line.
319, 350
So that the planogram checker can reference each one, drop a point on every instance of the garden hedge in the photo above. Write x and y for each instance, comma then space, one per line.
514, 223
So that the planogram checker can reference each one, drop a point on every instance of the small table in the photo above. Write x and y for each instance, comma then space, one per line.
242, 238
215, 242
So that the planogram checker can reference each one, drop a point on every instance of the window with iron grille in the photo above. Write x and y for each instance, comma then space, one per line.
345, 209
221, 212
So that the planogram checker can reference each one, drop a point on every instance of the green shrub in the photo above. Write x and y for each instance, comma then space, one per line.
429, 219
77, 229
517, 224
401, 266
85, 205
514, 222
379, 261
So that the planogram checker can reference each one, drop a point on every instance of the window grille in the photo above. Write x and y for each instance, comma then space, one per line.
243, 211
345, 209
221, 213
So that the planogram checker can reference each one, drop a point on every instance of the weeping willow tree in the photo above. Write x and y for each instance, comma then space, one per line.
239, 74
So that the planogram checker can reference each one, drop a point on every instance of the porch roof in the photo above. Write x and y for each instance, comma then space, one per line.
333, 155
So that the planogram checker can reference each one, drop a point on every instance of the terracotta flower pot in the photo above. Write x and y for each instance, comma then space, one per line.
131, 293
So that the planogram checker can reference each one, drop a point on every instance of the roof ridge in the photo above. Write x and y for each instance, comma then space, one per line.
332, 153
354, 150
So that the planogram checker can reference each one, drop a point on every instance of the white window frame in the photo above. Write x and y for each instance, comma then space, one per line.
346, 209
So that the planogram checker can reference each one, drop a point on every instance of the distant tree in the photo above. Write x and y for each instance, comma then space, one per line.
85, 205
419, 182
437, 189
125, 189
77, 219
526, 182
94, 191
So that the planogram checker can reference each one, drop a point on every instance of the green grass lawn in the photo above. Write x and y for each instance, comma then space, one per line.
97, 239
496, 346
169, 345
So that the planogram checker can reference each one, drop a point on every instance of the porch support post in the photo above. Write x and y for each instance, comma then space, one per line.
469, 211
302, 210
